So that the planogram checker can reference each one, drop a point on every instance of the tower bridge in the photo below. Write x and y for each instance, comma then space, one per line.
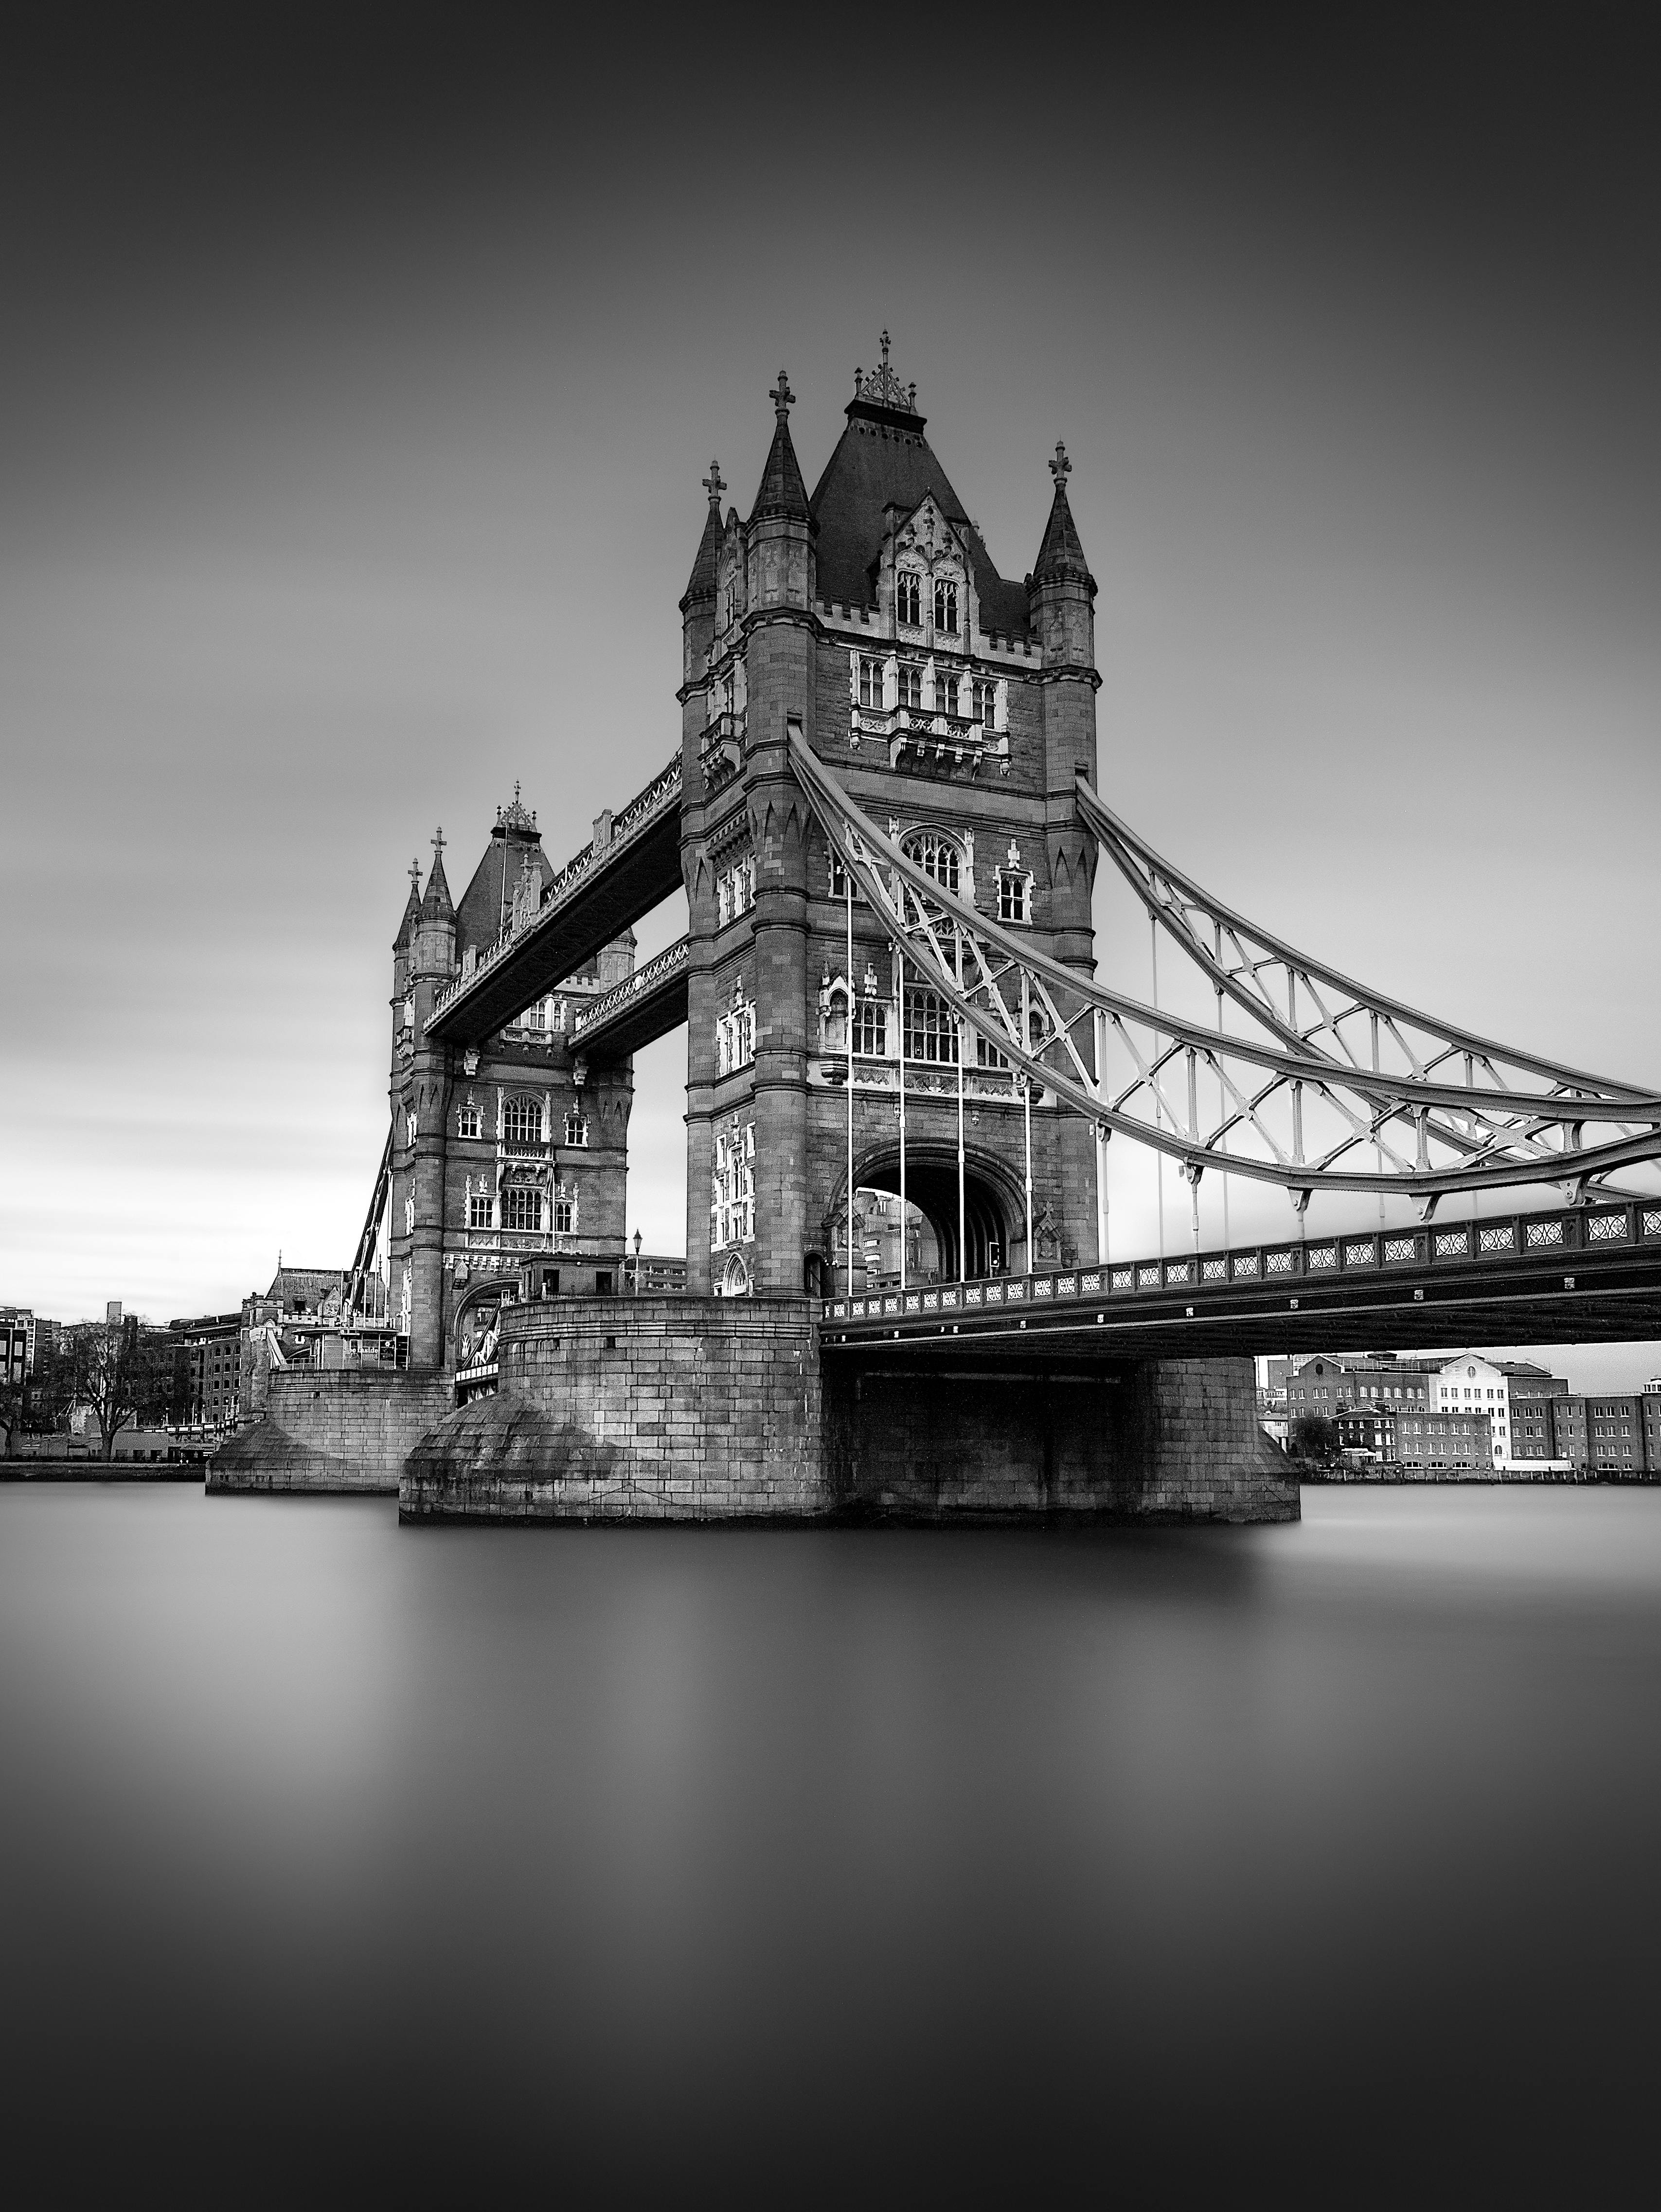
886, 817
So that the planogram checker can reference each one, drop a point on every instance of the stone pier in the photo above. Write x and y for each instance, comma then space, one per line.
706, 1409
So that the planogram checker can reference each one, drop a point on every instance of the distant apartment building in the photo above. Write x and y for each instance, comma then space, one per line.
1471, 1384
212, 1349
1458, 1443
1326, 1386
1372, 1431
654, 1272
1608, 1434
16, 1345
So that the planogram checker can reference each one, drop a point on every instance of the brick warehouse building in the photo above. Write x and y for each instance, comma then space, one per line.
957, 707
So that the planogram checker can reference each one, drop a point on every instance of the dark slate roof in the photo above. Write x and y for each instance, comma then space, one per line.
485, 905
436, 906
1061, 557
782, 491
293, 1286
882, 457
701, 584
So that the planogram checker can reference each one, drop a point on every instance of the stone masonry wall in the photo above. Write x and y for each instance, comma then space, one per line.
649, 1408
332, 1430
1172, 1440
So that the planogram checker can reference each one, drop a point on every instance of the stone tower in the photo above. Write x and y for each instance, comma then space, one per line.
957, 708
509, 1161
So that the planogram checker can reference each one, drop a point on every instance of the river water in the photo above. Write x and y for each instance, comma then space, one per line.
844, 1866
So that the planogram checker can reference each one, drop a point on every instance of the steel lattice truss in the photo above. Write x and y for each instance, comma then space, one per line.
1339, 1089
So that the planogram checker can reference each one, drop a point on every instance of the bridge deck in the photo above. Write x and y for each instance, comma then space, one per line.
597, 896
651, 1003
1585, 1274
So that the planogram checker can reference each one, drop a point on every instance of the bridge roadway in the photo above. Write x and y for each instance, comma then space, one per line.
1584, 1274
632, 864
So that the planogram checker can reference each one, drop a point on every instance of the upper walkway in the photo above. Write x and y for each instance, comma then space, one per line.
1582, 1274
644, 1007
632, 864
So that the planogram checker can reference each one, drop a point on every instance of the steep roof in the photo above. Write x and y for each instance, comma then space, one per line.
700, 585
782, 491
411, 912
488, 901
884, 459
308, 1286
1061, 557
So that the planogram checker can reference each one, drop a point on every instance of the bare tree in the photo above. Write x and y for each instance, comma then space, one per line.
13, 1403
123, 1371
1314, 1438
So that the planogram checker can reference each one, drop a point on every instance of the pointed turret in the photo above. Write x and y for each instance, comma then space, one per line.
432, 946
411, 910
782, 495
1061, 591
1061, 603
438, 905
1061, 557
700, 585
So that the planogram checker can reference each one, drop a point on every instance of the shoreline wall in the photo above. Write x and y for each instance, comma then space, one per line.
333, 1430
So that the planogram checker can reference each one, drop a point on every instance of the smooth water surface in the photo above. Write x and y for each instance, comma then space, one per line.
862, 1865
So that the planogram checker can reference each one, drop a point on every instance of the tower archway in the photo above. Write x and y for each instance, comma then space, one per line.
993, 1208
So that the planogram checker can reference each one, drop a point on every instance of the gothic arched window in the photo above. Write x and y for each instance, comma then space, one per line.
908, 598
522, 1120
938, 855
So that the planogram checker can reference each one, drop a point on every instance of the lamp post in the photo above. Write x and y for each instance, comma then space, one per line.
637, 1241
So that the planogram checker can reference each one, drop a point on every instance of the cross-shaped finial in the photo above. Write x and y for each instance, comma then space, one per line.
415, 876
885, 348
1061, 467
437, 845
781, 396
712, 483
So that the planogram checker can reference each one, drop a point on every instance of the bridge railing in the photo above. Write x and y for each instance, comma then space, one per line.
1364, 1254
643, 809
657, 972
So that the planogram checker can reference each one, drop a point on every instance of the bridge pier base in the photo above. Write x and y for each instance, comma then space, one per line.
704, 1409
1152, 1440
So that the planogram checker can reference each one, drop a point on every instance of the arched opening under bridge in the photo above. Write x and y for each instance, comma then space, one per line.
993, 1218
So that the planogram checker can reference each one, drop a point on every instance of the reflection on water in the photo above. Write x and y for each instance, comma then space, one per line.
854, 1864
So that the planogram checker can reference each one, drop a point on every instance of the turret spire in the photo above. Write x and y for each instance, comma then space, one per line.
411, 910
1061, 556
782, 492
700, 585
438, 906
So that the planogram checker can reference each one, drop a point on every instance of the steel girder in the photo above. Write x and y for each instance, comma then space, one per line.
1294, 1106
364, 1258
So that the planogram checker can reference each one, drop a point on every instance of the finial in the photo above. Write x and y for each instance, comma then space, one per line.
414, 876
437, 845
1060, 467
516, 791
884, 387
781, 397
712, 483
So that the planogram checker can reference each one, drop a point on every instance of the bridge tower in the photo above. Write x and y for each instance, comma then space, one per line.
509, 1156
957, 708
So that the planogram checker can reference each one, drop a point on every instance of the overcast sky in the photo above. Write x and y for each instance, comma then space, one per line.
356, 387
